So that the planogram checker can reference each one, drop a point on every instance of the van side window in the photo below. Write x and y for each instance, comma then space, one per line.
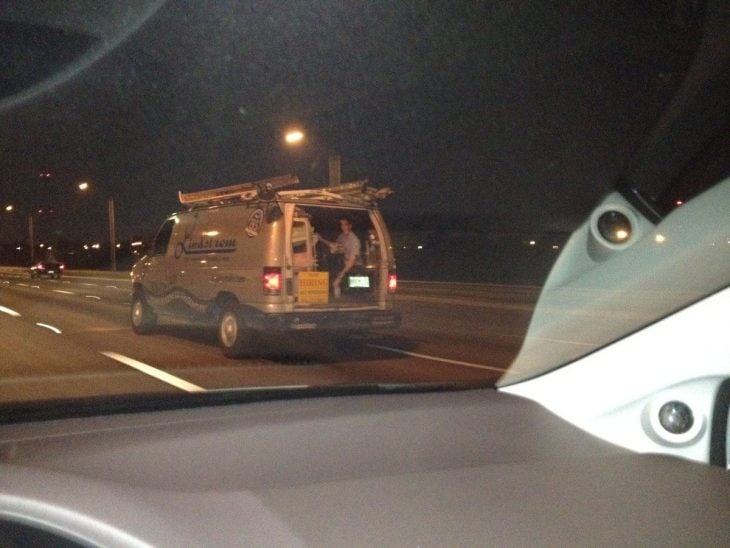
163, 238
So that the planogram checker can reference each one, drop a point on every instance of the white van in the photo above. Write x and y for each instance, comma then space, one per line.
252, 257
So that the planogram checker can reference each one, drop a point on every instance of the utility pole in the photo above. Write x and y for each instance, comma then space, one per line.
31, 243
335, 170
112, 235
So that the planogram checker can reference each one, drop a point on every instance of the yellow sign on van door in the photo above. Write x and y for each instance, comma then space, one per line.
314, 287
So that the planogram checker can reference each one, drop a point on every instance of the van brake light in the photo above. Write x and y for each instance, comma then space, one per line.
272, 280
392, 282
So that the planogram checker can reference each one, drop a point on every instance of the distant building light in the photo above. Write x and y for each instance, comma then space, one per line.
679, 202
96, 246
532, 242
9, 208
42, 245
86, 246
19, 248
420, 247
119, 245
660, 238
136, 244
556, 246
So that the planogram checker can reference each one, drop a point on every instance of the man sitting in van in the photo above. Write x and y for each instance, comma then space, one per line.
349, 243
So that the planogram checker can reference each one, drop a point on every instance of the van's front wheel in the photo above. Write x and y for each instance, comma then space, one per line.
233, 335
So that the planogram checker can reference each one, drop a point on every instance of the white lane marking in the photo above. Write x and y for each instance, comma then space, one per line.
22, 285
93, 297
436, 358
156, 373
102, 329
66, 282
56, 330
9, 311
88, 284
63, 291
35, 287
257, 388
465, 302
548, 339
111, 287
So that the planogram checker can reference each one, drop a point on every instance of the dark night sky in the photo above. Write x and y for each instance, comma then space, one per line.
520, 113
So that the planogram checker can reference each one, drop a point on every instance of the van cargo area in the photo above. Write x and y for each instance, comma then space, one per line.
317, 259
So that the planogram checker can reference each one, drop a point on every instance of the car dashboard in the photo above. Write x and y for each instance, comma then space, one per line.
445, 468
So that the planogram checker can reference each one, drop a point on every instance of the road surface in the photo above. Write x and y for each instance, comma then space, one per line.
71, 338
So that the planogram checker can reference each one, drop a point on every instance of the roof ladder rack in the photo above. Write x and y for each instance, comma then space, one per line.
240, 192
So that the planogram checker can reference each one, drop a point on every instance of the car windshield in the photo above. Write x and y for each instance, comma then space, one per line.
237, 197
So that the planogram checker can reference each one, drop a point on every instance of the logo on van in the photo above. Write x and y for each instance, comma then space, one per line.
205, 245
254, 222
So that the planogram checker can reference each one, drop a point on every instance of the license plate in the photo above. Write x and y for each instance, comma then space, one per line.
358, 281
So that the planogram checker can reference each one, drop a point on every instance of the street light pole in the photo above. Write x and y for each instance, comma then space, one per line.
31, 242
112, 234
335, 170
84, 186
295, 137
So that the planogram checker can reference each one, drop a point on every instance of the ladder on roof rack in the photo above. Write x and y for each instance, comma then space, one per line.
242, 191
356, 191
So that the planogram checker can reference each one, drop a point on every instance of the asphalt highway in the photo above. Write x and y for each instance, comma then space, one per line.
71, 338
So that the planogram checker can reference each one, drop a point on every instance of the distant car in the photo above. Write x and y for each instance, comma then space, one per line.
52, 269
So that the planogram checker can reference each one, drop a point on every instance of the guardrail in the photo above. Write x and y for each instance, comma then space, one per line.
411, 288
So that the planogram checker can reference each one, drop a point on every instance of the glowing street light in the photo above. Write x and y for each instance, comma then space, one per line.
9, 208
83, 186
294, 137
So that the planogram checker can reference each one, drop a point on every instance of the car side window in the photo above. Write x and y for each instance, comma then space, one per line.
163, 238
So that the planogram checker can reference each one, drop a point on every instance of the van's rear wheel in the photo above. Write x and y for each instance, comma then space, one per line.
233, 335
143, 318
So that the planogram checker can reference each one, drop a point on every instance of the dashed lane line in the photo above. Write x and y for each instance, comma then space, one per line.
56, 330
9, 311
158, 374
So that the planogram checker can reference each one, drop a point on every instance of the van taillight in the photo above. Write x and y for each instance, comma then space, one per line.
392, 282
272, 280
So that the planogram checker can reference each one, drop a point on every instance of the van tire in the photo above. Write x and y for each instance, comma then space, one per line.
142, 316
233, 335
